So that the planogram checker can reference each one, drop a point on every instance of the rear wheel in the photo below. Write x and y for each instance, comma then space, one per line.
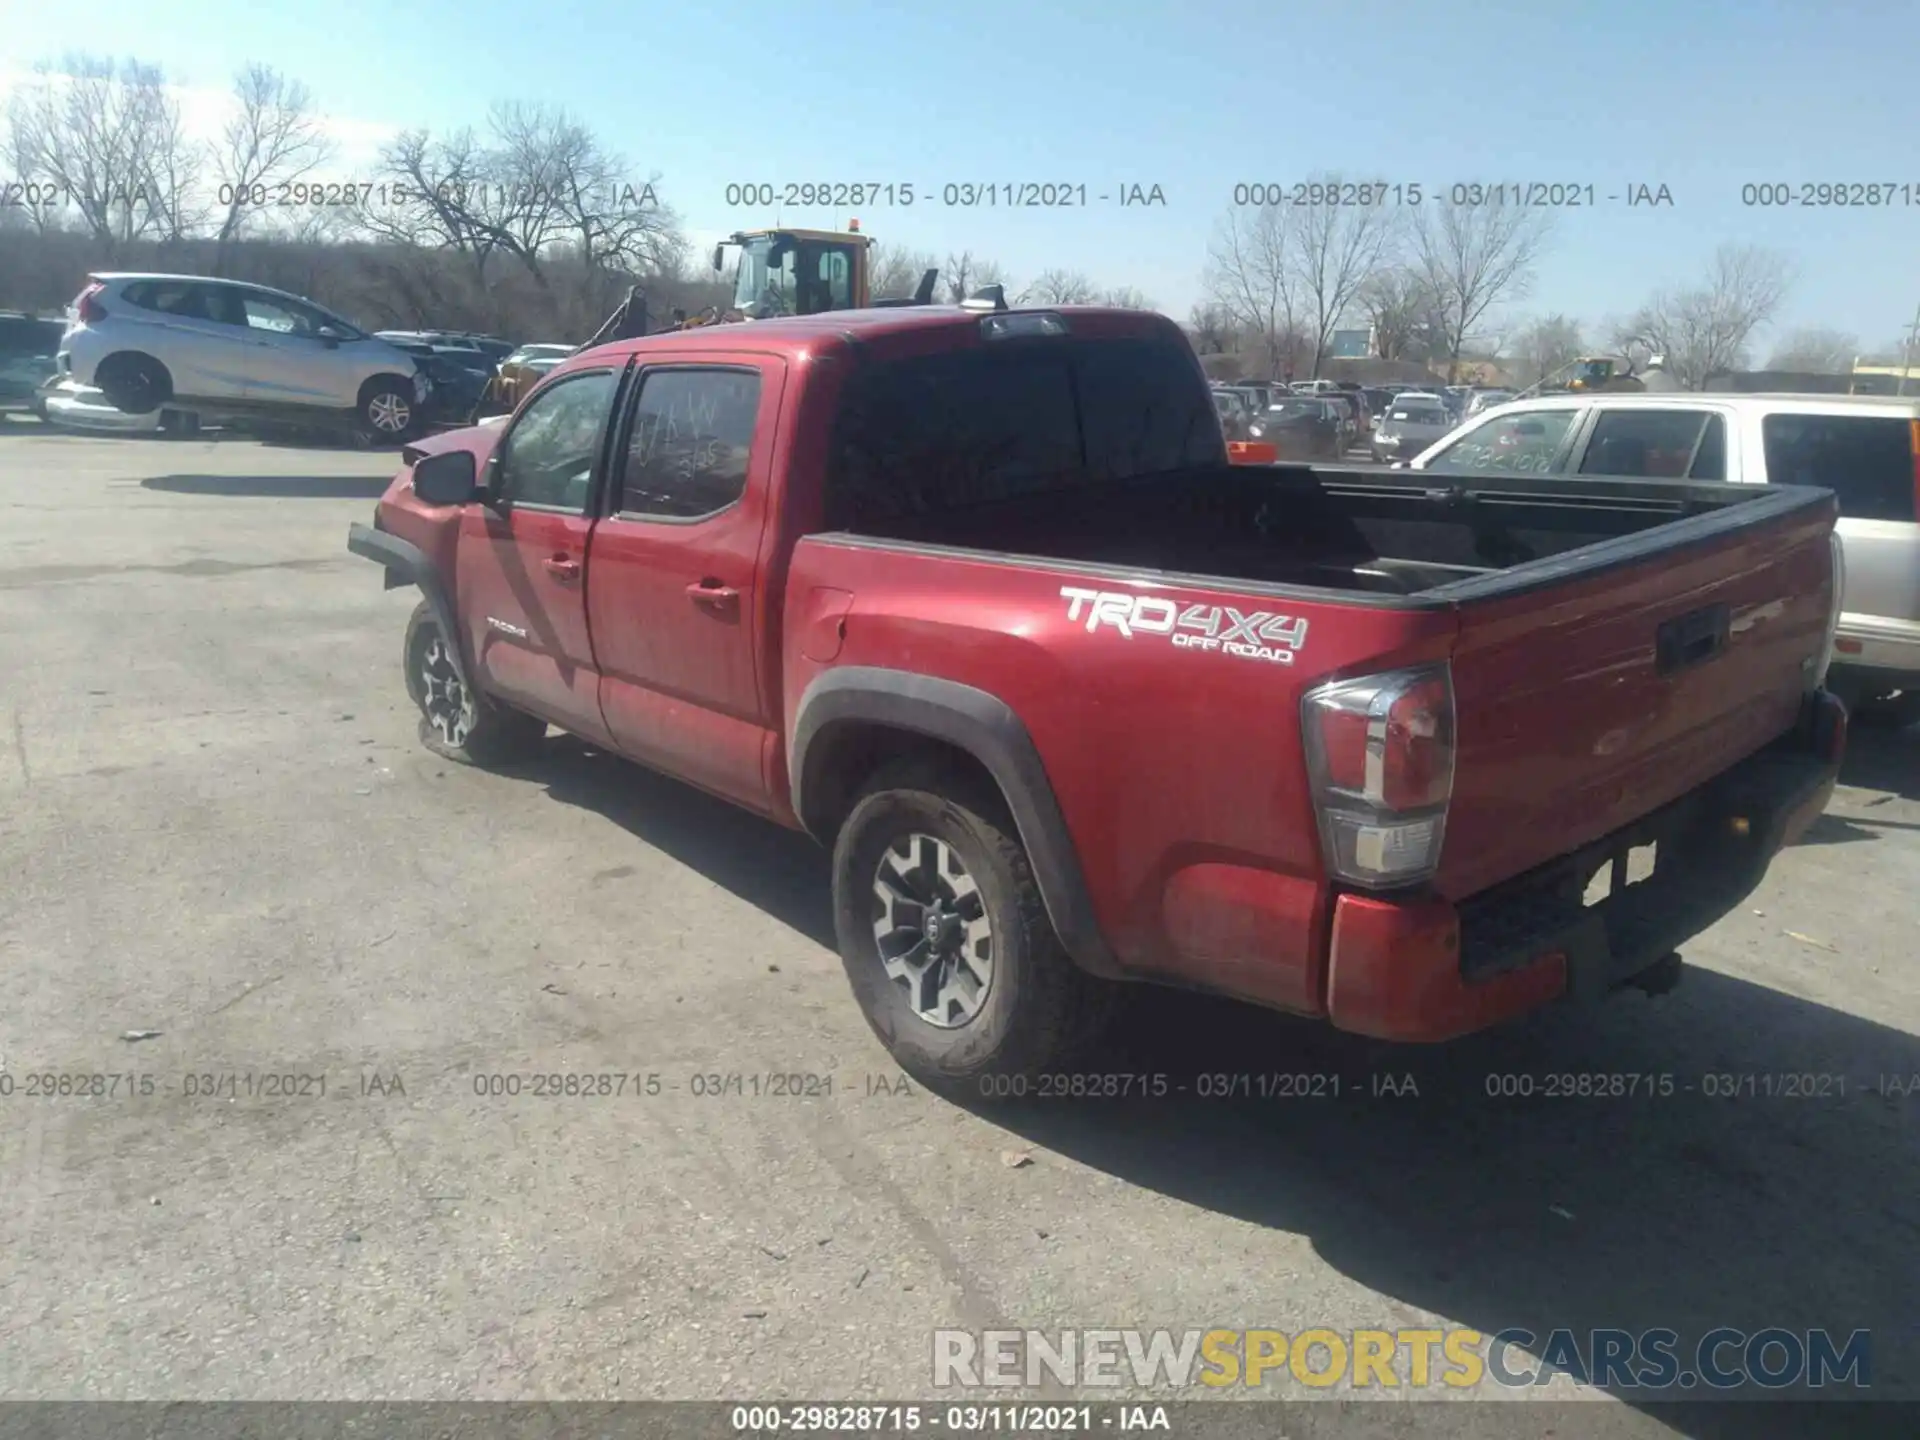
134, 384
946, 940
456, 720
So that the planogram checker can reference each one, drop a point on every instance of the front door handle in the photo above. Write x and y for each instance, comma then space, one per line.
563, 568
712, 592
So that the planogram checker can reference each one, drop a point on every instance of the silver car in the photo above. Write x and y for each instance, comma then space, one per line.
222, 347
1410, 425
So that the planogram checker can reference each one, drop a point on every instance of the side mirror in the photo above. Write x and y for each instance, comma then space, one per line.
329, 337
448, 478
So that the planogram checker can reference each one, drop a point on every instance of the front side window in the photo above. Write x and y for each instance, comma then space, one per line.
1528, 444
547, 458
689, 444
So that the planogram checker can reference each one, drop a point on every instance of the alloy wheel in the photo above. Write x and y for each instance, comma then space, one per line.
388, 413
445, 699
930, 925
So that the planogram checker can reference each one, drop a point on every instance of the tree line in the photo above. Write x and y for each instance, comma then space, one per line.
529, 225
1439, 284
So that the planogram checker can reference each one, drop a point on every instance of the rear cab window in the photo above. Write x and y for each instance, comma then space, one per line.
1866, 460
1009, 419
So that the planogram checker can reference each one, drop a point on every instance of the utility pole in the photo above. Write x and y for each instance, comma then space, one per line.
1906, 356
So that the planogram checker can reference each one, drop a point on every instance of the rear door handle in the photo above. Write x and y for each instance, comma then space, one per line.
712, 592
563, 568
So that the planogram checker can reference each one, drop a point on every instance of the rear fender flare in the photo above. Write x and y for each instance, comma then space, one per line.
985, 727
407, 564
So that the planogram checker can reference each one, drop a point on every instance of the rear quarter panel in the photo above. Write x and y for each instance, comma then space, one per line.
1180, 772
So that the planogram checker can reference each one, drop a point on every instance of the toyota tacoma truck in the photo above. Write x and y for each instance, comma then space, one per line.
975, 598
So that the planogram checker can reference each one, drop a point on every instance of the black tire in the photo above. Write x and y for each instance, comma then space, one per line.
387, 412
134, 384
1888, 710
1039, 1010
457, 722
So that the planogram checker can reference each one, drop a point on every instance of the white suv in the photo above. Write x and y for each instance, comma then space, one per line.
1866, 449
220, 346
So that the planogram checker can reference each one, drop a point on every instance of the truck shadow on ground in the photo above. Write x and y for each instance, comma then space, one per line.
1727, 1202
280, 487
778, 871
1711, 1196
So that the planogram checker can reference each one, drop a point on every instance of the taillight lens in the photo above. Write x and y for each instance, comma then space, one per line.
88, 306
1380, 757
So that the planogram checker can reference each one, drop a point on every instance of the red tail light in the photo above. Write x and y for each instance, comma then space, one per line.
1252, 452
88, 306
1380, 757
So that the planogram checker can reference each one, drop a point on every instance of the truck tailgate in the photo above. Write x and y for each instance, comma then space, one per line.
1588, 699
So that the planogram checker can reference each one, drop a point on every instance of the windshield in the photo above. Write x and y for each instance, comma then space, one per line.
780, 275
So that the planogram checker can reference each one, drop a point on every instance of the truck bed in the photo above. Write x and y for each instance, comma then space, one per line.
1613, 644
1382, 533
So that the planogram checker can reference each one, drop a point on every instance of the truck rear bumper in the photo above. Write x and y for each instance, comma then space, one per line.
1428, 969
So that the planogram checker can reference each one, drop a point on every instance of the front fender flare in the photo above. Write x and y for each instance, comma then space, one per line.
407, 564
985, 727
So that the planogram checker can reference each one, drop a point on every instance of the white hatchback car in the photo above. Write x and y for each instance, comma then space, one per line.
227, 348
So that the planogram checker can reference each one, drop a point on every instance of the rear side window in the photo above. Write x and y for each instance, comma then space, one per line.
1662, 444
1866, 460
688, 445
944, 432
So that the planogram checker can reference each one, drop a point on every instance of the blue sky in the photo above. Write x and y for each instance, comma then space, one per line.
1699, 95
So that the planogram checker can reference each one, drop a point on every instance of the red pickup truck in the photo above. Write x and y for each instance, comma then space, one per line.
976, 599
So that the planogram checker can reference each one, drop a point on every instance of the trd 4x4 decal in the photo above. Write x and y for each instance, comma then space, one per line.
1261, 635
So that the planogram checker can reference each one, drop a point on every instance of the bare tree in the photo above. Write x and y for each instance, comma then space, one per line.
1058, 287
1814, 351
1335, 250
110, 138
893, 271
273, 137
1248, 276
1545, 345
966, 274
1126, 297
1471, 258
1704, 329
541, 186
1212, 329
1397, 305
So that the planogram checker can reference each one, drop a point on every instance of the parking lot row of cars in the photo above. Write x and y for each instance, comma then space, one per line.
148, 353
1325, 419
